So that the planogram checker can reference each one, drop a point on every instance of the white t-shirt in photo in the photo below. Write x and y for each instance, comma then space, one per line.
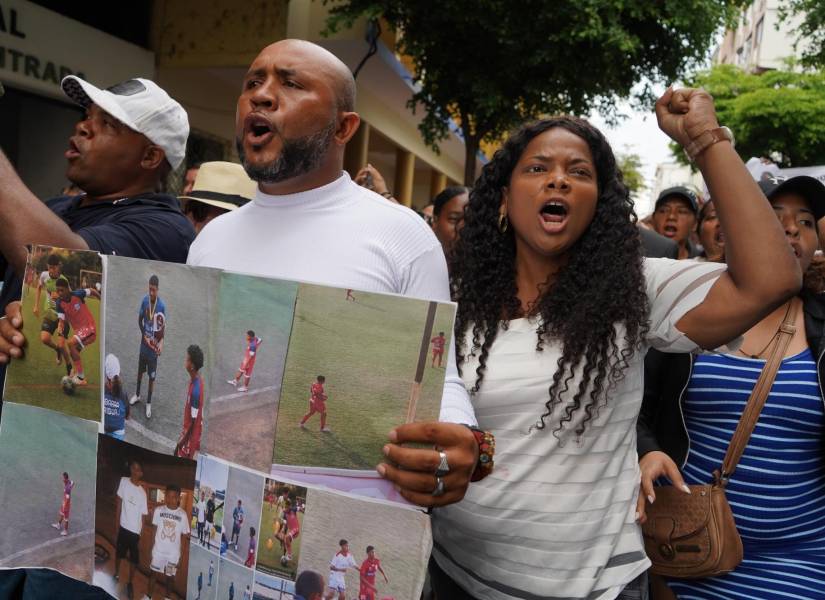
133, 505
339, 561
201, 511
171, 525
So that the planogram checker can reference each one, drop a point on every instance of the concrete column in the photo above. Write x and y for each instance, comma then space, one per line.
404, 175
438, 181
355, 154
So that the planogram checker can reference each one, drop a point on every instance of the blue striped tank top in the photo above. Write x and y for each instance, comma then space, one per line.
777, 493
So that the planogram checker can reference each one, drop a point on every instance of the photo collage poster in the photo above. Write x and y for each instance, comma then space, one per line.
192, 433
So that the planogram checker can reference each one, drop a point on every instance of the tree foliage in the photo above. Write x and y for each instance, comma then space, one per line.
630, 164
491, 64
810, 35
778, 114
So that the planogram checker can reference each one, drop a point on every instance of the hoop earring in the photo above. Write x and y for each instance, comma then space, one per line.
503, 222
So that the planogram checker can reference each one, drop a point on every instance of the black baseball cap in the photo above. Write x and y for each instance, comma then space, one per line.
679, 191
810, 188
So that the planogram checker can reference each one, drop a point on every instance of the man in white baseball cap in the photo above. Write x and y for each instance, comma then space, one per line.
132, 135
142, 106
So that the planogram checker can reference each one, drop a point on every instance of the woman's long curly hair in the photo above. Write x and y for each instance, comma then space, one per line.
597, 295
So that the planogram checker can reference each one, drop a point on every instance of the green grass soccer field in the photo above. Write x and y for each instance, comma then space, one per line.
368, 350
35, 380
269, 559
37, 447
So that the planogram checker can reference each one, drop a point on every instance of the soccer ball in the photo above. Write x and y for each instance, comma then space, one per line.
284, 560
269, 544
68, 385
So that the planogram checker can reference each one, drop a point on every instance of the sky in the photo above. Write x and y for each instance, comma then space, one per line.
638, 134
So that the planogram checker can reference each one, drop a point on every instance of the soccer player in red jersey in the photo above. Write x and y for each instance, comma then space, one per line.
250, 553
292, 530
438, 343
190, 437
368, 569
350, 297
317, 404
71, 308
248, 362
62, 524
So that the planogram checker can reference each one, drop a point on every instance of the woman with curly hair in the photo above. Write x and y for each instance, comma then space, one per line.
556, 309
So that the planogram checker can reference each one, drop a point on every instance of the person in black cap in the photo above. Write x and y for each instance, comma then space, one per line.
809, 189
689, 398
674, 217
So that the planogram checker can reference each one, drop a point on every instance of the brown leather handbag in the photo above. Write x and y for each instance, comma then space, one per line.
693, 536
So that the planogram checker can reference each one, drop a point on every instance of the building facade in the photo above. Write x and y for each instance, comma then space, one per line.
38, 47
760, 40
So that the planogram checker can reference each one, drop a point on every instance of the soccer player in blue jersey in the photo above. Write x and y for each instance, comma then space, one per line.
72, 312
152, 323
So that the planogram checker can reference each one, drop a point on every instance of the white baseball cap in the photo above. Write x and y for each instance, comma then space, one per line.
142, 106
111, 366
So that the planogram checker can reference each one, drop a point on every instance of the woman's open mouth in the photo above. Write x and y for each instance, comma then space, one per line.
553, 216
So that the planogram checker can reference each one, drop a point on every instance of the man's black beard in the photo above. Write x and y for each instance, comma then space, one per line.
298, 156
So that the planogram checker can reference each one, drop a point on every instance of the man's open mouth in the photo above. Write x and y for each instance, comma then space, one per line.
258, 130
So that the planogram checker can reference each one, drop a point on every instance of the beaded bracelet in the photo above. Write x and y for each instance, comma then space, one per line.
486, 449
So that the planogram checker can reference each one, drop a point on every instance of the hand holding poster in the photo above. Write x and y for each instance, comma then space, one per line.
203, 434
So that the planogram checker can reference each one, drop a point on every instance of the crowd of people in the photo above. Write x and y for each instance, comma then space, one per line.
560, 296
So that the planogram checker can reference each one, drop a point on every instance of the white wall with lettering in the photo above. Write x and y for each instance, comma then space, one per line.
38, 47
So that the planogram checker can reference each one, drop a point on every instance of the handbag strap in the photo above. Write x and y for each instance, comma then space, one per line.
759, 395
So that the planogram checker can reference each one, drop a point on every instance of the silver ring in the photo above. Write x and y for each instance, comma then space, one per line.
439, 487
443, 466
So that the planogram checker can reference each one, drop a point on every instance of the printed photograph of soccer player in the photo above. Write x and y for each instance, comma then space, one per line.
203, 574
61, 321
280, 539
143, 520
242, 515
234, 581
250, 343
357, 366
158, 323
47, 490
210, 502
356, 546
269, 587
